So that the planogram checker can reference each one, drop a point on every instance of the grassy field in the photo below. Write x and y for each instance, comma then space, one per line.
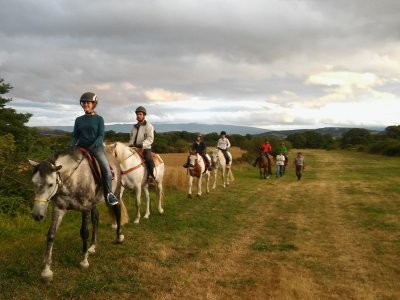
333, 235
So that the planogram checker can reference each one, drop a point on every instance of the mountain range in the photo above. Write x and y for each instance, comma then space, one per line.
205, 129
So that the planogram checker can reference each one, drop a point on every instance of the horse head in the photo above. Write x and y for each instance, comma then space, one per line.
46, 181
194, 166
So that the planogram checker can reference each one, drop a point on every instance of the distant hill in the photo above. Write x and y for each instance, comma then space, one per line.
205, 129
159, 127
333, 131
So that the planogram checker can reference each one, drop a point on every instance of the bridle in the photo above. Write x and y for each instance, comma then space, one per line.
59, 183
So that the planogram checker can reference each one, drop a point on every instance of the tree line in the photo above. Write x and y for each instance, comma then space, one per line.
19, 142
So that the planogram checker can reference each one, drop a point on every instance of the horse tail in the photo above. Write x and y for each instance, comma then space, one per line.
124, 213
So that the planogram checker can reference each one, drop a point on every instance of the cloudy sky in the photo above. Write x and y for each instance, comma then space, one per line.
273, 64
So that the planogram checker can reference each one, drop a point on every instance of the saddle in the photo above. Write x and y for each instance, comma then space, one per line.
156, 158
95, 167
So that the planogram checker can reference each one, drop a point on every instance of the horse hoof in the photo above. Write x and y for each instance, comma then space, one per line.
146, 216
113, 226
189, 196
136, 221
121, 239
84, 264
198, 196
92, 249
161, 211
47, 275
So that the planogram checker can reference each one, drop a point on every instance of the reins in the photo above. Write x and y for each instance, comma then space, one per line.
123, 172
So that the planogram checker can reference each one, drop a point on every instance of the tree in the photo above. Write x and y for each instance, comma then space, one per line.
356, 136
12, 122
393, 131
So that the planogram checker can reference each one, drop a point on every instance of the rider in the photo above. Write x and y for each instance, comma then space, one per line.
265, 149
142, 136
200, 147
89, 134
223, 145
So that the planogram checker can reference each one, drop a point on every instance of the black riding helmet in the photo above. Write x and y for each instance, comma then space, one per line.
141, 109
88, 97
222, 133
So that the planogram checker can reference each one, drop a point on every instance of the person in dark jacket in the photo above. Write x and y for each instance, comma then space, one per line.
200, 147
89, 134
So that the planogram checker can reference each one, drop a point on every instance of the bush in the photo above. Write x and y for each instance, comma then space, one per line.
13, 205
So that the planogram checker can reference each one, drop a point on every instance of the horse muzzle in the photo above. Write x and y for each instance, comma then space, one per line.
39, 210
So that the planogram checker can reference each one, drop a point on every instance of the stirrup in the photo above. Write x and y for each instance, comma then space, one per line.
111, 199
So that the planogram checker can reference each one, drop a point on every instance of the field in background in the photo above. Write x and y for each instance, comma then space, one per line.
332, 235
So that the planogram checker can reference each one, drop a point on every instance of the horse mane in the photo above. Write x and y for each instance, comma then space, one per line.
73, 152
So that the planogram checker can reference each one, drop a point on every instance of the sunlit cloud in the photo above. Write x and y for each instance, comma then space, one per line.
162, 95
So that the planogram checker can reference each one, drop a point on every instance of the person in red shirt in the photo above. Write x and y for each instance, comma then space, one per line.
265, 149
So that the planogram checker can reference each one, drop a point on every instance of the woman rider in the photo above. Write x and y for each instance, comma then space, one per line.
89, 134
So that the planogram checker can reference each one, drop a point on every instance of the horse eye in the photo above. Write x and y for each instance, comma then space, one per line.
50, 185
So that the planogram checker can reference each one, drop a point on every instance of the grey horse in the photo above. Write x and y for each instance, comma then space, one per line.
67, 181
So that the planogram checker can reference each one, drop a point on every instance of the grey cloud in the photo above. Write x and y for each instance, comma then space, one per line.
225, 50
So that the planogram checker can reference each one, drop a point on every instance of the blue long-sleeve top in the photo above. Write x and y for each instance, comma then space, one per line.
88, 131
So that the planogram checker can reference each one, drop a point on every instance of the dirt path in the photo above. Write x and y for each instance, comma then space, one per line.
325, 255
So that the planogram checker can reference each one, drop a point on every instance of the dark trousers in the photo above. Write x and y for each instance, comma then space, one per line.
225, 153
149, 162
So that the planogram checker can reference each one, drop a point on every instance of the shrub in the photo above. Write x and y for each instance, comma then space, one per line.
13, 205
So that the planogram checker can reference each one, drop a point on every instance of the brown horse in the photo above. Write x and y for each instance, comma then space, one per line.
263, 166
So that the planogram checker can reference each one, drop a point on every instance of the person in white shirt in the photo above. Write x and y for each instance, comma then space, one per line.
142, 136
280, 163
223, 145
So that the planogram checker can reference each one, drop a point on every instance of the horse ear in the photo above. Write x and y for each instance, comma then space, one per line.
33, 163
57, 168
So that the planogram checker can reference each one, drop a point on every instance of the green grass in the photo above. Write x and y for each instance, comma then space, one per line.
337, 228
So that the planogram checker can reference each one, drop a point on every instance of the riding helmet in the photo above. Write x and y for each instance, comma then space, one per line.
222, 133
141, 109
88, 97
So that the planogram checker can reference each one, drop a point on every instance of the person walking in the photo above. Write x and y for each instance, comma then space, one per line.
299, 165
284, 152
280, 163
142, 137
89, 134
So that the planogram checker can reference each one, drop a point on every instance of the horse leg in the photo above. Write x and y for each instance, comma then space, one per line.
84, 235
117, 213
223, 177
160, 196
190, 182
208, 182
215, 178
58, 214
138, 195
94, 215
147, 195
227, 175
199, 186
114, 223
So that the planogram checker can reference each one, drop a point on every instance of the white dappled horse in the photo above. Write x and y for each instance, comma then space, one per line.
197, 168
134, 176
219, 163
66, 180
